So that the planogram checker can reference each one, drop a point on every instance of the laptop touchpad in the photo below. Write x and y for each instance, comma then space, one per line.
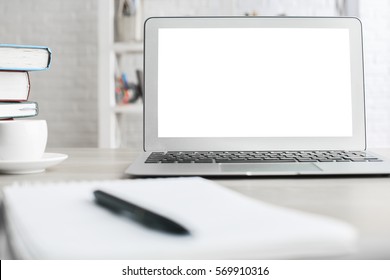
268, 167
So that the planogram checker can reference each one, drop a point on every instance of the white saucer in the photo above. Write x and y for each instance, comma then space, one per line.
31, 166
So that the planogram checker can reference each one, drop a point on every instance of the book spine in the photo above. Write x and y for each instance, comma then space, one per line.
28, 85
49, 58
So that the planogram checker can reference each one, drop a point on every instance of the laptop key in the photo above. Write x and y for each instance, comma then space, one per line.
204, 161
152, 161
358, 159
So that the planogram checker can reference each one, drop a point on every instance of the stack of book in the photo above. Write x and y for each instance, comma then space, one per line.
15, 63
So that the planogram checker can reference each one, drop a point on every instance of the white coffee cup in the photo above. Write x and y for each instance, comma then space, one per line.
22, 140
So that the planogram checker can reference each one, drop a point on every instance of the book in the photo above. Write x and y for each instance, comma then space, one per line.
63, 221
24, 57
14, 85
10, 110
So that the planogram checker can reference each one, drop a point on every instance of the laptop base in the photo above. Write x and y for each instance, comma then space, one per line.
141, 169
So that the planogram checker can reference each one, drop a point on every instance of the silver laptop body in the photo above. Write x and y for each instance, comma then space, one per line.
254, 96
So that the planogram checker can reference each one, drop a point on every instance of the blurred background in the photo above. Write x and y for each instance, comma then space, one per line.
89, 95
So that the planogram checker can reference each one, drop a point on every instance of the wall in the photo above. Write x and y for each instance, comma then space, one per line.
376, 33
67, 92
239, 7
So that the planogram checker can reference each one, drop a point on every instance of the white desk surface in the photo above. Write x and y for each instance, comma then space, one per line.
362, 201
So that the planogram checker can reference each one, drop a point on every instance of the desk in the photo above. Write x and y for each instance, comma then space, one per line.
362, 201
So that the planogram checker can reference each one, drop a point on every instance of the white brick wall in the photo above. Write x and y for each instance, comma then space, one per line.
375, 16
67, 92
238, 7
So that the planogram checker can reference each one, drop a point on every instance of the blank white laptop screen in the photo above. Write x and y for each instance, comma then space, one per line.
254, 82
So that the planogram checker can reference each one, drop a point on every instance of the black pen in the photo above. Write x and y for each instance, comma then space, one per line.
139, 214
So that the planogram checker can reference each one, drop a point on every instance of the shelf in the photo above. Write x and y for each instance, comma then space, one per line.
113, 118
128, 47
136, 108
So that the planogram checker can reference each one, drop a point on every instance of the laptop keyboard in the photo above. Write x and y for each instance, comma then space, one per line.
261, 157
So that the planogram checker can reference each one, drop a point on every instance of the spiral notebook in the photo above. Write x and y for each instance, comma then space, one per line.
62, 221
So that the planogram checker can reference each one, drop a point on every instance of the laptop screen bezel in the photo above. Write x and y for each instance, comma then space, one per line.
154, 143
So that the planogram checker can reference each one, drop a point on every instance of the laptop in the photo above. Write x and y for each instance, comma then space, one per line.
254, 96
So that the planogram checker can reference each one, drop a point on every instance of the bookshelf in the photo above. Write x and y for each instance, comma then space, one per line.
111, 115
